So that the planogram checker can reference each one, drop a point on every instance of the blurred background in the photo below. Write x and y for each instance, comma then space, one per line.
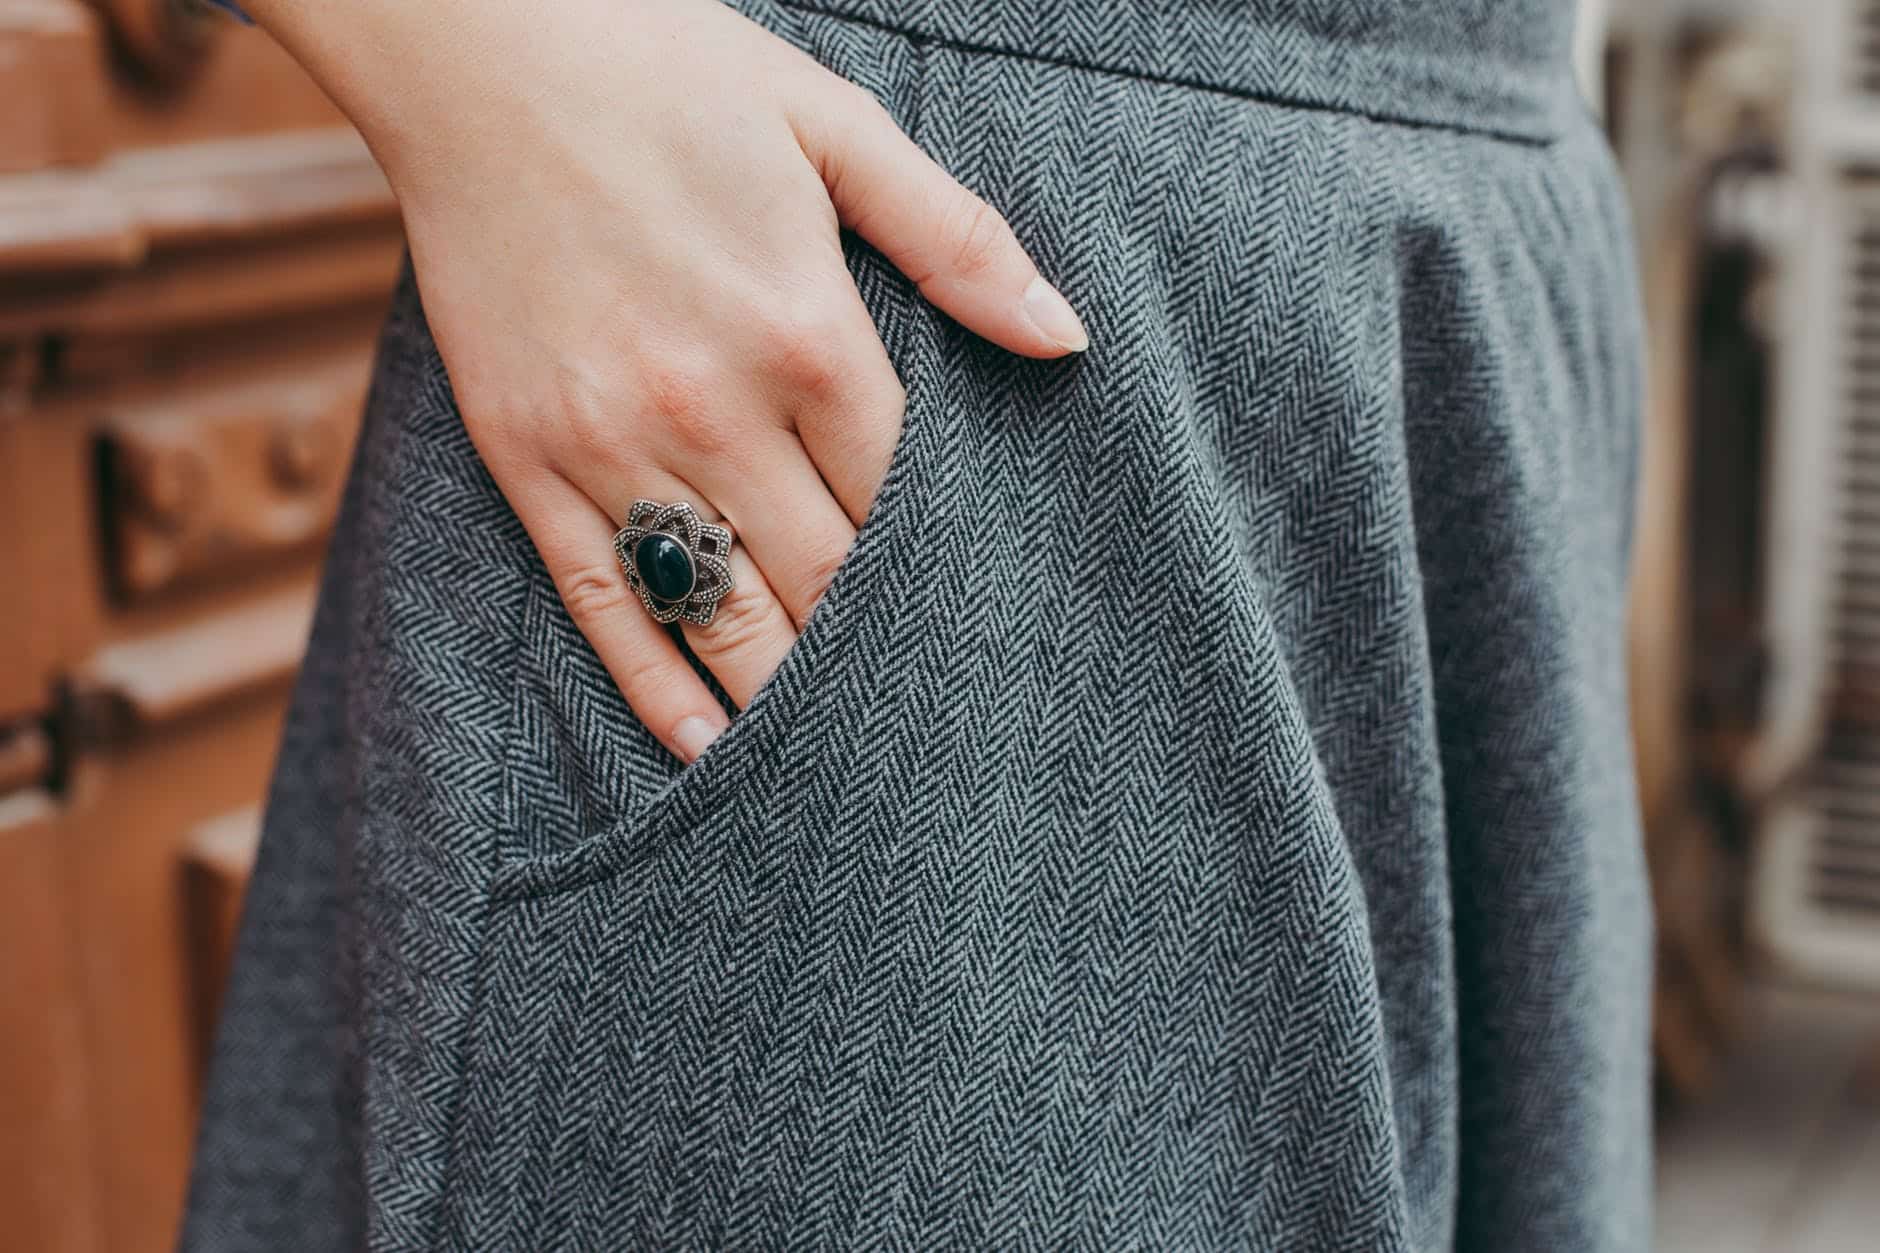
194, 252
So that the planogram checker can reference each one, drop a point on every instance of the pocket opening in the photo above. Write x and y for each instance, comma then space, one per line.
820, 655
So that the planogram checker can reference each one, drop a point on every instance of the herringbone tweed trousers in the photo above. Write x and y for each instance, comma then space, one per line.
1200, 813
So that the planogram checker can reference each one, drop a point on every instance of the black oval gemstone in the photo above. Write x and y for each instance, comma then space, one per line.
665, 566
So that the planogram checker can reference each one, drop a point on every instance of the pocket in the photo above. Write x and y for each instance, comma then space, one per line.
580, 726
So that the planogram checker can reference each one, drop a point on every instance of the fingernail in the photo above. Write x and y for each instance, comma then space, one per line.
1053, 315
694, 735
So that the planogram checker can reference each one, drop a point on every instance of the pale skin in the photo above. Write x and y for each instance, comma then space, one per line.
624, 216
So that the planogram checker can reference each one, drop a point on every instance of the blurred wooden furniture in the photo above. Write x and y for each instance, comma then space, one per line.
194, 254
1694, 104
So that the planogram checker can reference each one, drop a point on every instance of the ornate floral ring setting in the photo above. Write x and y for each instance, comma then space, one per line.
678, 565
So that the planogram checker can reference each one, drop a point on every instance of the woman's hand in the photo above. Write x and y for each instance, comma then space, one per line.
624, 218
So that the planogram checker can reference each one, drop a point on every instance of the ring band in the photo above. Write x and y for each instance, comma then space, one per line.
678, 565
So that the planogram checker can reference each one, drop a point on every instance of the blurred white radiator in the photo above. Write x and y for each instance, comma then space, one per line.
1816, 888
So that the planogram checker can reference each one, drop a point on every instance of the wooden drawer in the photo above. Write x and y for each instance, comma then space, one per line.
82, 80
215, 481
194, 258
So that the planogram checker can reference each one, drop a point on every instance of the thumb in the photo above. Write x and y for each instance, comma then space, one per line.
955, 246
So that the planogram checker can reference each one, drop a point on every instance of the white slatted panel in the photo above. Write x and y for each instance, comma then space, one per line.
1862, 54
1844, 861
1818, 894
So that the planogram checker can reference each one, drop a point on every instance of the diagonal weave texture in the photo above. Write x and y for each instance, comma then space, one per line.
1198, 816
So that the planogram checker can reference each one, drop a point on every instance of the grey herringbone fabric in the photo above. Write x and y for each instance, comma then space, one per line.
1198, 816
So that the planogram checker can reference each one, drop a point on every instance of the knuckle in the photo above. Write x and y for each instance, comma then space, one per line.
976, 237
851, 107
684, 399
805, 348
590, 591
679, 388
591, 440
746, 622
590, 411
585, 388
706, 437
871, 411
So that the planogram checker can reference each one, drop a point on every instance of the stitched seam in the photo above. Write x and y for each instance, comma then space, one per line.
916, 35
488, 905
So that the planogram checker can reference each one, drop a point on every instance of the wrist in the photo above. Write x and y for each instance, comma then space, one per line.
383, 62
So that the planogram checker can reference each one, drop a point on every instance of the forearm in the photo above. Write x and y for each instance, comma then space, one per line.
395, 67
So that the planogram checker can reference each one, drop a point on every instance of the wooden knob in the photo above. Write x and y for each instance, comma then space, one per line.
301, 451
168, 38
168, 483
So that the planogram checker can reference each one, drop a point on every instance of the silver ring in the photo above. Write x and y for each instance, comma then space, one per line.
678, 565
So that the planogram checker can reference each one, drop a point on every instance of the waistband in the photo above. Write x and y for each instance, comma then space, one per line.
1501, 67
